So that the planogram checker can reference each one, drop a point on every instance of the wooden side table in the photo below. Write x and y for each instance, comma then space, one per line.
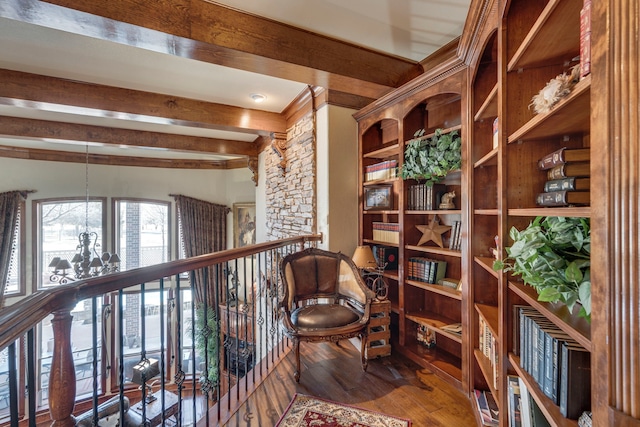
154, 409
378, 330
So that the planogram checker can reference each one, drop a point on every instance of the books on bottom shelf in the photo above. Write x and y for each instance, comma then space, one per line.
514, 401
388, 232
487, 407
558, 364
530, 413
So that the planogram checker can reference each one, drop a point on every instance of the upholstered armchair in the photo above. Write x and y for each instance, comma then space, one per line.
325, 299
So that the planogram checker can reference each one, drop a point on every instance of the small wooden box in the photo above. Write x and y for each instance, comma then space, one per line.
379, 334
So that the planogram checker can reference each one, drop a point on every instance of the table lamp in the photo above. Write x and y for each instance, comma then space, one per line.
363, 258
143, 371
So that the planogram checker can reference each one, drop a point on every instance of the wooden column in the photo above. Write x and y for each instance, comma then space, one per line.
615, 134
62, 379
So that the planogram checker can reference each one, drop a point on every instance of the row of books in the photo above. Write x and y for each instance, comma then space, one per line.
488, 344
455, 239
426, 269
423, 197
383, 170
487, 407
560, 366
523, 409
388, 232
568, 177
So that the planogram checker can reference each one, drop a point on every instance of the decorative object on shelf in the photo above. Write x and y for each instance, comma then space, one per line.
555, 90
447, 200
378, 198
433, 232
495, 251
371, 271
432, 158
143, 371
553, 255
426, 336
86, 262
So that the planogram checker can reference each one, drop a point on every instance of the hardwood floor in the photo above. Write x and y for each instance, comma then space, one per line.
393, 385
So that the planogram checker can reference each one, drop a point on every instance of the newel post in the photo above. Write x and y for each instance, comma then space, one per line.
62, 377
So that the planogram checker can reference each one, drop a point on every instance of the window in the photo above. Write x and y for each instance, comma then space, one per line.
59, 225
142, 233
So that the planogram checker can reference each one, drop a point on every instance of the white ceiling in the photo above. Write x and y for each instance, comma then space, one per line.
410, 29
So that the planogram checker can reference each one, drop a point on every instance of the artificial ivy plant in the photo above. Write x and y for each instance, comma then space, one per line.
432, 158
553, 255
206, 337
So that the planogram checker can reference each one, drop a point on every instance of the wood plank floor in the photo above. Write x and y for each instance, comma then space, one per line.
393, 385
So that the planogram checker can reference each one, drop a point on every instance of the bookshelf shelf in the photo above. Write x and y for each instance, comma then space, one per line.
554, 36
434, 250
570, 211
568, 116
444, 131
373, 212
442, 363
489, 108
438, 289
490, 315
487, 264
436, 322
435, 212
384, 152
378, 242
489, 159
551, 410
486, 212
487, 371
381, 181
576, 327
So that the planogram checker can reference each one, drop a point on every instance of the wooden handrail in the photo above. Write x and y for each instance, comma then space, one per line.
18, 318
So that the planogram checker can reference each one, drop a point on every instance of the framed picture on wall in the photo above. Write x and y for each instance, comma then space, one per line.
244, 224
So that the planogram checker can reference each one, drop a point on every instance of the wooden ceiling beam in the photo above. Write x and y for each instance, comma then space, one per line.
99, 159
42, 92
205, 31
44, 130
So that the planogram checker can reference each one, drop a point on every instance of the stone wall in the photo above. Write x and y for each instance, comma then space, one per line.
291, 196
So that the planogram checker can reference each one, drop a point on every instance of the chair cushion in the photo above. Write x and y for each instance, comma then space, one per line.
324, 316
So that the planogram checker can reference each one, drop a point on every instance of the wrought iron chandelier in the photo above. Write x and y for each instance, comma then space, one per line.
86, 262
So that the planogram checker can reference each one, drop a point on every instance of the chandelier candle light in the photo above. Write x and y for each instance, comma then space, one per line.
86, 262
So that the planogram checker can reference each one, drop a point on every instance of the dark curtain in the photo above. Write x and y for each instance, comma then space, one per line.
9, 208
204, 230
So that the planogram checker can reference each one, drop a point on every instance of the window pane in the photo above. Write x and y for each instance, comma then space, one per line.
143, 234
60, 225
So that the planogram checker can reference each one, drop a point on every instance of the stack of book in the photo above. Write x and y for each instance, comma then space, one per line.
383, 170
568, 181
489, 346
455, 239
387, 232
487, 407
560, 366
423, 197
426, 270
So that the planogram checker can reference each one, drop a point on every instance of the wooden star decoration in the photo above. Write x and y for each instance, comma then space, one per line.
433, 232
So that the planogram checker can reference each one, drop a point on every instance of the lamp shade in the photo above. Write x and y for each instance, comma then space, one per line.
363, 257
144, 370
63, 264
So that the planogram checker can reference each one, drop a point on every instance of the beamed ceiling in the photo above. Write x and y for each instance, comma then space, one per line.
167, 83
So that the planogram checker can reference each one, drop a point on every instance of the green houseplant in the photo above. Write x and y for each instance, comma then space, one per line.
206, 337
432, 158
553, 255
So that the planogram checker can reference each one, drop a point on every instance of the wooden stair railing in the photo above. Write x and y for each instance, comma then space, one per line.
17, 319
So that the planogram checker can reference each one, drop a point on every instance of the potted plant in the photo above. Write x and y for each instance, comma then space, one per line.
432, 158
553, 255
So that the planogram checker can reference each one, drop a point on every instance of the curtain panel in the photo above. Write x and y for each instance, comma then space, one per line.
204, 230
9, 209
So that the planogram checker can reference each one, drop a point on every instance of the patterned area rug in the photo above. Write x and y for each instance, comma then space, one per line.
307, 411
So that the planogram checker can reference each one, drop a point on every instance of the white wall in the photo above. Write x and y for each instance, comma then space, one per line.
57, 180
337, 179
